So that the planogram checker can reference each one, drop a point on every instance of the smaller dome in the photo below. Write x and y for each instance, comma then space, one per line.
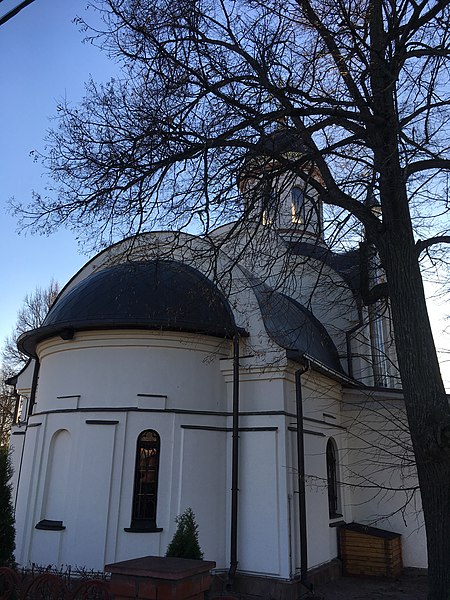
281, 141
347, 264
294, 327
158, 295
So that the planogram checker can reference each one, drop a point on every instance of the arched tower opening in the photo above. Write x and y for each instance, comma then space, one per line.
277, 187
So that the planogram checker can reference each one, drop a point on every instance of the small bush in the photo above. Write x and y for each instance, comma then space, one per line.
185, 540
7, 533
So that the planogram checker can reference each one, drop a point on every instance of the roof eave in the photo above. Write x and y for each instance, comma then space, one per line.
304, 358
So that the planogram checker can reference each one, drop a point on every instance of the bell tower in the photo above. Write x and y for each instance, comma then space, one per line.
279, 194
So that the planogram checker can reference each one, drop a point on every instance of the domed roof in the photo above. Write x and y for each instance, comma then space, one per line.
162, 294
281, 141
347, 264
294, 327
268, 147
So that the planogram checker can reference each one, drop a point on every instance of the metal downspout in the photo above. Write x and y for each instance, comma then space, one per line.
234, 466
348, 342
34, 387
301, 479
31, 403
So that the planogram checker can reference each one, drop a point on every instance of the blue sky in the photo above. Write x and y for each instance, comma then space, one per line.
43, 60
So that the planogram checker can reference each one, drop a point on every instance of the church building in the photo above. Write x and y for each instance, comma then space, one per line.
243, 377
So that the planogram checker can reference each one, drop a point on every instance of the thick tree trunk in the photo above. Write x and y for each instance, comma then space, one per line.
425, 399
426, 403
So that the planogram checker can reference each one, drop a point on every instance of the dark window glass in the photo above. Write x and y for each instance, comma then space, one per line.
333, 499
270, 204
298, 205
146, 480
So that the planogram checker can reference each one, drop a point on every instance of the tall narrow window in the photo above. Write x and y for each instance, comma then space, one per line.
146, 481
298, 205
332, 482
270, 205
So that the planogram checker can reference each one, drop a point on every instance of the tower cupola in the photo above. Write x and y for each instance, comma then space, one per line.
278, 187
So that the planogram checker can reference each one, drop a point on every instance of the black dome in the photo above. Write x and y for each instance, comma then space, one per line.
162, 294
294, 327
347, 264
281, 141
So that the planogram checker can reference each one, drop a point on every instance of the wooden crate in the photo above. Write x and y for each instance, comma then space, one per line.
370, 551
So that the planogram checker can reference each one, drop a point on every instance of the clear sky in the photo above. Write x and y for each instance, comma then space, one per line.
43, 60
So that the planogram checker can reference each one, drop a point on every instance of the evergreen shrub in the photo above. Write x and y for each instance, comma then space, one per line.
7, 533
185, 542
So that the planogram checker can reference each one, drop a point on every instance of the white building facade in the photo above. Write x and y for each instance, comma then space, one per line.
164, 345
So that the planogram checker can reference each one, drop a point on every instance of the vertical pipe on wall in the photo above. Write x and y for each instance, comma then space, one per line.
301, 477
375, 276
33, 387
30, 404
234, 464
290, 534
348, 341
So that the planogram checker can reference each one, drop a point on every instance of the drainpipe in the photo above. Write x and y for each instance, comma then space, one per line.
30, 405
301, 478
375, 276
34, 387
348, 341
234, 466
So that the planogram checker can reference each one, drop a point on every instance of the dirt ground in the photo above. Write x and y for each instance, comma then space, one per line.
410, 586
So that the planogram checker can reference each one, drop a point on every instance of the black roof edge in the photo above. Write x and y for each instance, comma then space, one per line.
380, 388
323, 369
370, 530
28, 341
12, 380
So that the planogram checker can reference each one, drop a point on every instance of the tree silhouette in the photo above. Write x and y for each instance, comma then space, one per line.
7, 533
361, 92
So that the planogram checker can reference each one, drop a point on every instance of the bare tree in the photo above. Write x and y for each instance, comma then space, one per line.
362, 88
30, 316
7, 406
14, 11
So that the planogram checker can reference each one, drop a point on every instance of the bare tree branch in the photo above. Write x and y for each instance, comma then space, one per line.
422, 245
427, 165
14, 11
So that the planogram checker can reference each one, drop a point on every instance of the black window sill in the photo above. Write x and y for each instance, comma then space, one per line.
49, 525
142, 526
337, 523
137, 529
336, 520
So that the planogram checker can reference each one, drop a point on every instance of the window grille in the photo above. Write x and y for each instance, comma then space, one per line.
332, 482
146, 481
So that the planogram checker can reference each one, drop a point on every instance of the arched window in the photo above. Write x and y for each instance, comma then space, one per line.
145, 492
332, 480
270, 204
298, 205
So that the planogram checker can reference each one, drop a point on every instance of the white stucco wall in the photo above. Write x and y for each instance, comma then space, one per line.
384, 486
98, 391
322, 420
96, 394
